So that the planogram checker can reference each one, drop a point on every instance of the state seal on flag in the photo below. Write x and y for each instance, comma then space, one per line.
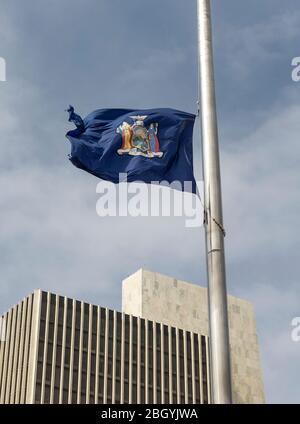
138, 140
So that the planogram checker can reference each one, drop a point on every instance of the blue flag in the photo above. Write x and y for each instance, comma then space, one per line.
150, 145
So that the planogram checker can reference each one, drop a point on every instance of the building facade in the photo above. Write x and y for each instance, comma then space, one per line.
60, 350
179, 303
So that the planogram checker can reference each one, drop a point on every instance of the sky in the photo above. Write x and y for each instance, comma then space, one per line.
111, 53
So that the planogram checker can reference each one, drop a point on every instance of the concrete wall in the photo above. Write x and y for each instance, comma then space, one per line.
181, 304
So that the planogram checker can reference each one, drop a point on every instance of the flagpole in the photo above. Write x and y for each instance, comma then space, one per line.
217, 296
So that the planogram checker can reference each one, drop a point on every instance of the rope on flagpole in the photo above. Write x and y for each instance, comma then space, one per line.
220, 226
207, 212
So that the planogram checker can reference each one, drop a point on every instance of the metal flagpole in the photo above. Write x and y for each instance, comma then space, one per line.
217, 297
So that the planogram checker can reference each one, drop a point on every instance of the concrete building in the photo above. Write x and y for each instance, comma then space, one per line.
182, 304
60, 350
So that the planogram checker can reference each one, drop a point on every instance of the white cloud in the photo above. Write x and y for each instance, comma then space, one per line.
248, 47
261, 185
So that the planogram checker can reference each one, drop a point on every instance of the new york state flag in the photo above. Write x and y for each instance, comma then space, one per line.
151, 145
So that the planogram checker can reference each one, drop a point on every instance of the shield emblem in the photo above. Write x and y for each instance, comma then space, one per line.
140, 138
137, 140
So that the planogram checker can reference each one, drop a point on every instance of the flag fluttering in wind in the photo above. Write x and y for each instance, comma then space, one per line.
152, 145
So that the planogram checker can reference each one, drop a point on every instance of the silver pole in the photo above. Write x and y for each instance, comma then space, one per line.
217, 296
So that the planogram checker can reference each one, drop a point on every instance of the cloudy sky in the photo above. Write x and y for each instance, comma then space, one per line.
112, 53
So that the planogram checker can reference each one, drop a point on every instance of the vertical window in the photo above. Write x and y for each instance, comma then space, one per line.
197, 370
39, 380
50, 348
142, 347
205, 370
150, 362
101, 355
189, 367
44, 305
67, 350
158, 363
174, 365
118, 359
58, 348
134, 359
126, 361
110, 356
84, 353
181, 367
166, 363
76, 352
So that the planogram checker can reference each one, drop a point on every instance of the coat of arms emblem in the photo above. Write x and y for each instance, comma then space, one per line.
138, 140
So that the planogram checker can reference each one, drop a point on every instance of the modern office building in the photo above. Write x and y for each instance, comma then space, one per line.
60, 350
